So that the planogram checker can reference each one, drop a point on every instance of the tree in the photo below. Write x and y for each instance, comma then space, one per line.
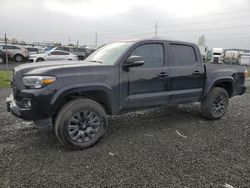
57, 44
202, 41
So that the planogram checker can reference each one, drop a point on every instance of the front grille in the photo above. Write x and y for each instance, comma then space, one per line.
216, 60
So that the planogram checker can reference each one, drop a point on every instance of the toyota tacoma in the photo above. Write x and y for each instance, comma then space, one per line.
74, 98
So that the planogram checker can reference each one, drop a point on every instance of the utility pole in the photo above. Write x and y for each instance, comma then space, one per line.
77, 46
69, 40
6, 54
6, 57
156, 28
96, 40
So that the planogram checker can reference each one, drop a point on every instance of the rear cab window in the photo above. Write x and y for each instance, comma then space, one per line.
182, 55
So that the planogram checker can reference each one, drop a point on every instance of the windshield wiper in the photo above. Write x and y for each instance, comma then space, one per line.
96, 61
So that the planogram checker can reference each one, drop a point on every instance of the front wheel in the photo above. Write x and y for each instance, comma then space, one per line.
216, 104
80, 124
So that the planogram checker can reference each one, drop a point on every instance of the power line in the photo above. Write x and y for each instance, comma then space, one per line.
148, 24
208, 21
210, 15
208, 29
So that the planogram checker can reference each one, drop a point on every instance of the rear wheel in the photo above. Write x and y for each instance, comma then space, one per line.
19, 58
40, 59
80, 124
216, 104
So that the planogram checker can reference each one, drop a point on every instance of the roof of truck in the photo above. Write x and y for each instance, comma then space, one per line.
156, 39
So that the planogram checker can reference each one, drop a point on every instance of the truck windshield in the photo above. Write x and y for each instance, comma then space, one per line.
109, 53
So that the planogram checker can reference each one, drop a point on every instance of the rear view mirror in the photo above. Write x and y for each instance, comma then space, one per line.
133, 61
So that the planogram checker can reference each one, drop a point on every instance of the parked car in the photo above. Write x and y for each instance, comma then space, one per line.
2, 57
48, 48
33, 50
75, 98
53, 55
16, 52
81, 52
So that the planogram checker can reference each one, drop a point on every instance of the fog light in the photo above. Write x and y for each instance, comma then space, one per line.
26, 103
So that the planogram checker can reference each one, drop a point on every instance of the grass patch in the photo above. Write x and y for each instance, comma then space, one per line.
5, 79
248, 69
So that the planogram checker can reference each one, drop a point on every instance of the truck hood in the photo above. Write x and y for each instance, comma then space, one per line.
63, 70
47, 66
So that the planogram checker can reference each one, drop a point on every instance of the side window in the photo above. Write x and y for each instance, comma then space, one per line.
182, 55
11, 47
153, 54
66, 49
81, 50
63, 53
54, 53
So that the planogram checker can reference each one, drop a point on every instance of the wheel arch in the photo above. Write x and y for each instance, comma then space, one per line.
99, 93
41, 58
226, 83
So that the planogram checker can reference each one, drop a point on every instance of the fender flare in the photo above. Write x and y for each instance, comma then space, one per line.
211, 84
85, 87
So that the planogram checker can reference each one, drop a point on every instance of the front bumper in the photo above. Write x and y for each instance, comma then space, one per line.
23, 113
27, 114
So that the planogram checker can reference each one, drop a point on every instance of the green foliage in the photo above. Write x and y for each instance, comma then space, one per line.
5, 79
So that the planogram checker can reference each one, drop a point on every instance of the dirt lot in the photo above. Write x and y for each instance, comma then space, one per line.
140, 149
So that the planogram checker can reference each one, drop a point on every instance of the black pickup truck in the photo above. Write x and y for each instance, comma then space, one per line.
75, 98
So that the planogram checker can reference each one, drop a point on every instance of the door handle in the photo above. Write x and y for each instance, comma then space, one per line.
162, 75
196, 73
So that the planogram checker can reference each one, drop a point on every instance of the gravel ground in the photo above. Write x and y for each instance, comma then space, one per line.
163, 147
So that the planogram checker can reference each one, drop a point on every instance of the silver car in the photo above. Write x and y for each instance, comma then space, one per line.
17, 52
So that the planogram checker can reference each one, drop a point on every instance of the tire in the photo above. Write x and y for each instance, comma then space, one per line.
74, 127
18, 58
215, 105
2, 60
40, 59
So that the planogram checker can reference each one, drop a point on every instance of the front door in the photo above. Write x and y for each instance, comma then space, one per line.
147, 84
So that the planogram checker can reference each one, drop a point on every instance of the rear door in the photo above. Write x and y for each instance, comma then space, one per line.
63, 55
186, 73
147, 84
53, 56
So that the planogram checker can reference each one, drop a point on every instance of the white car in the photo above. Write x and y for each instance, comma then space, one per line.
54, 55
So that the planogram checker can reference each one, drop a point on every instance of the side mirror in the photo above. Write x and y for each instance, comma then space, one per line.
49, 54
133, 61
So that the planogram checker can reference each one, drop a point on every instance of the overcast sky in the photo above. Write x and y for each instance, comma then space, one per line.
224, 23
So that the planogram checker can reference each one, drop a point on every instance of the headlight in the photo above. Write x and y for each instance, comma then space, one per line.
36, 82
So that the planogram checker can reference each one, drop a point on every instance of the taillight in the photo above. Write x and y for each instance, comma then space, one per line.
246, 74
